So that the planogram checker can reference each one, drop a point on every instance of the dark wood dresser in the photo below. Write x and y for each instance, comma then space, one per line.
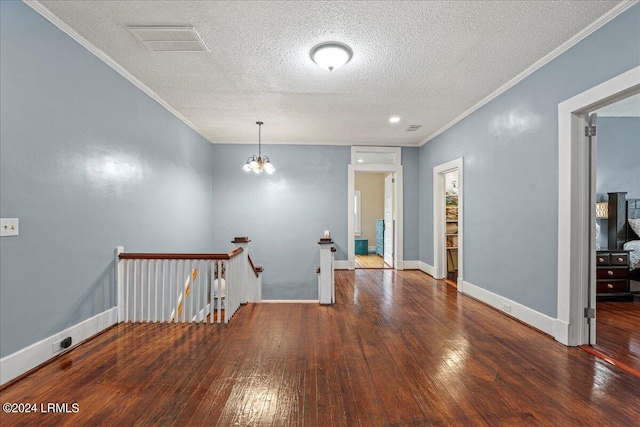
612, 275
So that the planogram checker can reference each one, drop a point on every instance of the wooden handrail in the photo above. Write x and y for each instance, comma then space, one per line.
230, 255
256, 269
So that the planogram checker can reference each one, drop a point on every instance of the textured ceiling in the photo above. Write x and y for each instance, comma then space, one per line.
427, 62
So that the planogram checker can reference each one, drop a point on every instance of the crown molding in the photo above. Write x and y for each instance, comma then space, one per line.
64, 27
597, 24
332, 143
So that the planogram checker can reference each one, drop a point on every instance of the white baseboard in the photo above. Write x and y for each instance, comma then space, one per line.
411, 265
371, 250
341, 265
419, 265
562, 331
525, 314
16, 364
291, 301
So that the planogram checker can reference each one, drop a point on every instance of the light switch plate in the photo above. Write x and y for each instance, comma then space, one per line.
8, 227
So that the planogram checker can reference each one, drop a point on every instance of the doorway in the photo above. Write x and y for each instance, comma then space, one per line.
615, 194
385, 160
448, 222
576, 208
373, 220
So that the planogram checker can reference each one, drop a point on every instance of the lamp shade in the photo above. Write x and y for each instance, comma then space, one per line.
602, 210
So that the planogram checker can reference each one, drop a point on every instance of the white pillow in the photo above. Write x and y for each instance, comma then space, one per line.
635, 225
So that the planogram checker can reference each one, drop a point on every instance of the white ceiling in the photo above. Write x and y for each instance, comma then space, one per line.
427, 62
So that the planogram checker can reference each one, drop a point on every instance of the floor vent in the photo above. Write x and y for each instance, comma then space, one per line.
170, 39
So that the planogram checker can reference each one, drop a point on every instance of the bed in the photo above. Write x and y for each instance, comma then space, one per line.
624, 229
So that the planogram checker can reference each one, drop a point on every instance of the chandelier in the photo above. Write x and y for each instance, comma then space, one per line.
259, 164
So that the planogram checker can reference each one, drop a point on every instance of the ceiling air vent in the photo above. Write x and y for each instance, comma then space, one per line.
170, 39
413, 128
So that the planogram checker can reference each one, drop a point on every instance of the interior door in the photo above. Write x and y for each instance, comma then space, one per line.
590, 132
388, 219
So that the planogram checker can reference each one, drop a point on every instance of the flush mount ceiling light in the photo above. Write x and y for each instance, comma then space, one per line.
331, 55
394, 119
259, 164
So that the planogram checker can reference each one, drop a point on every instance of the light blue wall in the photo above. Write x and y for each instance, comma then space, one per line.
87, 162
411, 198
510, 150
618, 161
618, 157
285, 214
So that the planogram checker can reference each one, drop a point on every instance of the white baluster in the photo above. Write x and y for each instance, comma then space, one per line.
219, 290
183, 290
135, 277
141, 291
200, 291
155, 317
171, 268
126, 292
149, 291
192, 285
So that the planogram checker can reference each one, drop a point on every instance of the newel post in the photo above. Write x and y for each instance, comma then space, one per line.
256, 290
243, 242
326, 288
119, 267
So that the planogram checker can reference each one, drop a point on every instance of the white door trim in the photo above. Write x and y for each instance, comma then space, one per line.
396, 169
574, 203
388, 254
439, 245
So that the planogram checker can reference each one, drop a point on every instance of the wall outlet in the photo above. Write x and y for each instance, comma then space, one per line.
506, 307
8, 227
62, 344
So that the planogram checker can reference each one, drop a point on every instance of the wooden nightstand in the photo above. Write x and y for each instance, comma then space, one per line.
612, 274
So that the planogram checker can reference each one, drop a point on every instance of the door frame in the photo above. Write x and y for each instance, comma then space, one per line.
396, 170
575, 241
384, 217
439, 241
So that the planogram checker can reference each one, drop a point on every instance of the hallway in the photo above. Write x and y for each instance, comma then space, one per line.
371, 261
398, 348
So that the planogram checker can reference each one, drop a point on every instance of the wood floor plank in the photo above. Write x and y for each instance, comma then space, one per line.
371, 261
398, 348
618, 331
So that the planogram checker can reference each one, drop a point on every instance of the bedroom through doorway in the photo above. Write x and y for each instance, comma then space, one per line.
615, 148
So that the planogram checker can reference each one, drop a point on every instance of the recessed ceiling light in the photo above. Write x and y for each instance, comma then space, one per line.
394, 119
331, 55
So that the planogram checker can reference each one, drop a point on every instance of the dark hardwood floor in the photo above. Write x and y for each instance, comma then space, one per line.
397, 349
618, 331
